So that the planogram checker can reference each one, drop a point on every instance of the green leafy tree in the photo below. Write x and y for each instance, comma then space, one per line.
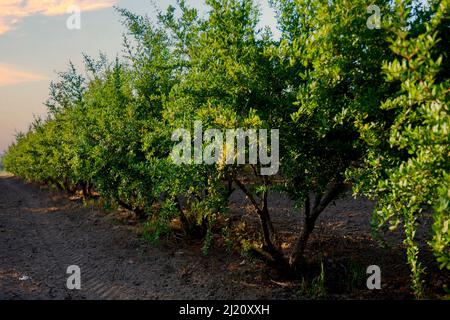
334, 64
407, 163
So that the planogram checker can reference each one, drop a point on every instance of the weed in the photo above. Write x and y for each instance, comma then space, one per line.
314, 289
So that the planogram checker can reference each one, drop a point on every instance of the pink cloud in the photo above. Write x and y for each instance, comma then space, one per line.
9, 75
13, 11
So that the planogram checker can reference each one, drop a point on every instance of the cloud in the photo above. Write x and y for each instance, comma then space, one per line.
9, 75
13, 11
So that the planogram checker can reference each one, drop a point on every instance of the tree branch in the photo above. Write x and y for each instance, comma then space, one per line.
248, 194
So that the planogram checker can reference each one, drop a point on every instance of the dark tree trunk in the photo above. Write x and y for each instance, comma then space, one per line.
84, 189
267, 228
297, 259
89, 189
191, 228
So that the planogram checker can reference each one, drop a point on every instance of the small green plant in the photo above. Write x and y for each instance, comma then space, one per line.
158, 224
208, 242
247, 247
154, 230
355, 276
314, 289
227, 238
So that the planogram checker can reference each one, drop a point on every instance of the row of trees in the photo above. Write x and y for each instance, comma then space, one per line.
353, 104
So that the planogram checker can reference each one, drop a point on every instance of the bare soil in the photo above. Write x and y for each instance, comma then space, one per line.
42, 232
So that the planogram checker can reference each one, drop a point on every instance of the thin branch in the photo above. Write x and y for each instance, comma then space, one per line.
248, 194
329, 197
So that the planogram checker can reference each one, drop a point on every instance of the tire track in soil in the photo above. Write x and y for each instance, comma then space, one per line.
41, 235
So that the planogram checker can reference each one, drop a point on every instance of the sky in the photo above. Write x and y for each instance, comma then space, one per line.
35, 43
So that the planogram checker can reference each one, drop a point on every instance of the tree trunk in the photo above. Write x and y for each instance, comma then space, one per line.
190, 226
262, 210
267, 229
297, 259
183, 219
84, 188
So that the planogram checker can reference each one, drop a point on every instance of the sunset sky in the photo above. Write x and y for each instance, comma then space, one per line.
35, 42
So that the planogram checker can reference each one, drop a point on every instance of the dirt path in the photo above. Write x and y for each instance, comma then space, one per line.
42, 234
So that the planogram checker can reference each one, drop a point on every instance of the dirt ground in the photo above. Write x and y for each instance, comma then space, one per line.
42, 232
